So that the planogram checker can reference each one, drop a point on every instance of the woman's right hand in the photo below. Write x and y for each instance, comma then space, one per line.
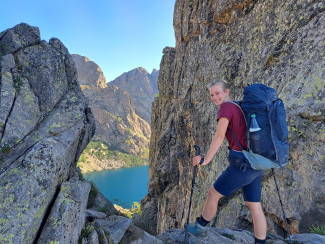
196, 160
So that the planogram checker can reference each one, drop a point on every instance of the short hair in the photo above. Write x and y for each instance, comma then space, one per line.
224, 84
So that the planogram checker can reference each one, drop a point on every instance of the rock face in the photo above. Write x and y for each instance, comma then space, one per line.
118, 123
280, 44
142, 88
45, 123
67, 213
90, 75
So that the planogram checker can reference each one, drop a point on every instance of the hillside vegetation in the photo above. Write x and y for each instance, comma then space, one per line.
98, 156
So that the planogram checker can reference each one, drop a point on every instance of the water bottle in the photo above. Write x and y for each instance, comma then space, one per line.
254, 135
254, 125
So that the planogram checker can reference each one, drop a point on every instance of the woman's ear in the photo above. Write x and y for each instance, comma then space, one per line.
227, 91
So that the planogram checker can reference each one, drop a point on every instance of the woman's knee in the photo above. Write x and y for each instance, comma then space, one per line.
214, 194
254, 207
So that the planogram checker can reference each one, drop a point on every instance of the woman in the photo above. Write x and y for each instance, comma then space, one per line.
238, 174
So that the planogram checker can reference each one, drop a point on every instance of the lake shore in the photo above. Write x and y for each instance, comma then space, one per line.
94, 164
98, 157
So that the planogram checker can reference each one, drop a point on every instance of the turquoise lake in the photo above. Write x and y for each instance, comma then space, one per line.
122, 186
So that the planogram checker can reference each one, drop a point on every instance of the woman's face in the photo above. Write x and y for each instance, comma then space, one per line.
218, 95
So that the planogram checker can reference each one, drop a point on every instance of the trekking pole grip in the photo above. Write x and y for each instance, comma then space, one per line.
197, 150
197, 153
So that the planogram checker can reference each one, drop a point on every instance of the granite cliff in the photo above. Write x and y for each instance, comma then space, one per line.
121, 108
45, 123
278, 43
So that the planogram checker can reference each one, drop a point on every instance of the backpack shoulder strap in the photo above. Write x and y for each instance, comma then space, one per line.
236, 139
237, 103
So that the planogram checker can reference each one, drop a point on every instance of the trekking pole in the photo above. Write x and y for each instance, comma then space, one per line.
197, 153
284, 215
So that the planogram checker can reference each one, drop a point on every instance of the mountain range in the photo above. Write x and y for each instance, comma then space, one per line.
122, 110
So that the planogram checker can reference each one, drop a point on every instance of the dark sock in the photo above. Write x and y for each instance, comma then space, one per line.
258, 241
202, 221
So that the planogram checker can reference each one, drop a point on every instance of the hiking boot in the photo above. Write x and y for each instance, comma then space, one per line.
197, 230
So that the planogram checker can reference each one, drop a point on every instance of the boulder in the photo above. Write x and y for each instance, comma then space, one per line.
116, 226
67, 216
91, 214
93, 238
102, 237
102, 204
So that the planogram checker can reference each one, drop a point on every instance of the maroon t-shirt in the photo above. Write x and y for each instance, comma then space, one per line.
236, 123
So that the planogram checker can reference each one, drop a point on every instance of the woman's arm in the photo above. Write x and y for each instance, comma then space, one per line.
216, 142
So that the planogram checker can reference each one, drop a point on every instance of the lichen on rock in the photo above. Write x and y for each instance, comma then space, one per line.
280, 44
45, 125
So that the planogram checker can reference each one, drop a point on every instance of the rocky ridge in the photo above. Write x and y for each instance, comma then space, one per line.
45, 125
280, 44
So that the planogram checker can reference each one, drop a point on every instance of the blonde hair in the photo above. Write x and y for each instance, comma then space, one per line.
224, 84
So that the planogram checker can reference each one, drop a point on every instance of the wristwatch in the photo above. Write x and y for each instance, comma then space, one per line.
202, 161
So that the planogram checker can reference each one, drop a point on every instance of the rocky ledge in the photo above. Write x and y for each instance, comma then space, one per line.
105, 228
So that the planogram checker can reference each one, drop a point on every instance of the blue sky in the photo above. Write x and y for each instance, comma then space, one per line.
118, 35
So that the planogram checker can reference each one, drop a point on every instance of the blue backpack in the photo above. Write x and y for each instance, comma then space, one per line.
268, 144
261, 102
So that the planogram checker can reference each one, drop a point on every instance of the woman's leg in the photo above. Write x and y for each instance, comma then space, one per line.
211, 204
209, 211
259, 221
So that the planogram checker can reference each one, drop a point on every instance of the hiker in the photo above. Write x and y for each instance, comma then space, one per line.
238, 174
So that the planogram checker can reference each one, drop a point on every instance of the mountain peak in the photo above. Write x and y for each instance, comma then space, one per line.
89, 73
141, 70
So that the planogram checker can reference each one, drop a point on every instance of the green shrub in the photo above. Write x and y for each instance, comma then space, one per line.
135, 208
5, 149
18, 83
82, 158
317, 229
86, 231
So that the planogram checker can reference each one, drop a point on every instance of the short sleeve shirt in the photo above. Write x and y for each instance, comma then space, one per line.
237, 124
